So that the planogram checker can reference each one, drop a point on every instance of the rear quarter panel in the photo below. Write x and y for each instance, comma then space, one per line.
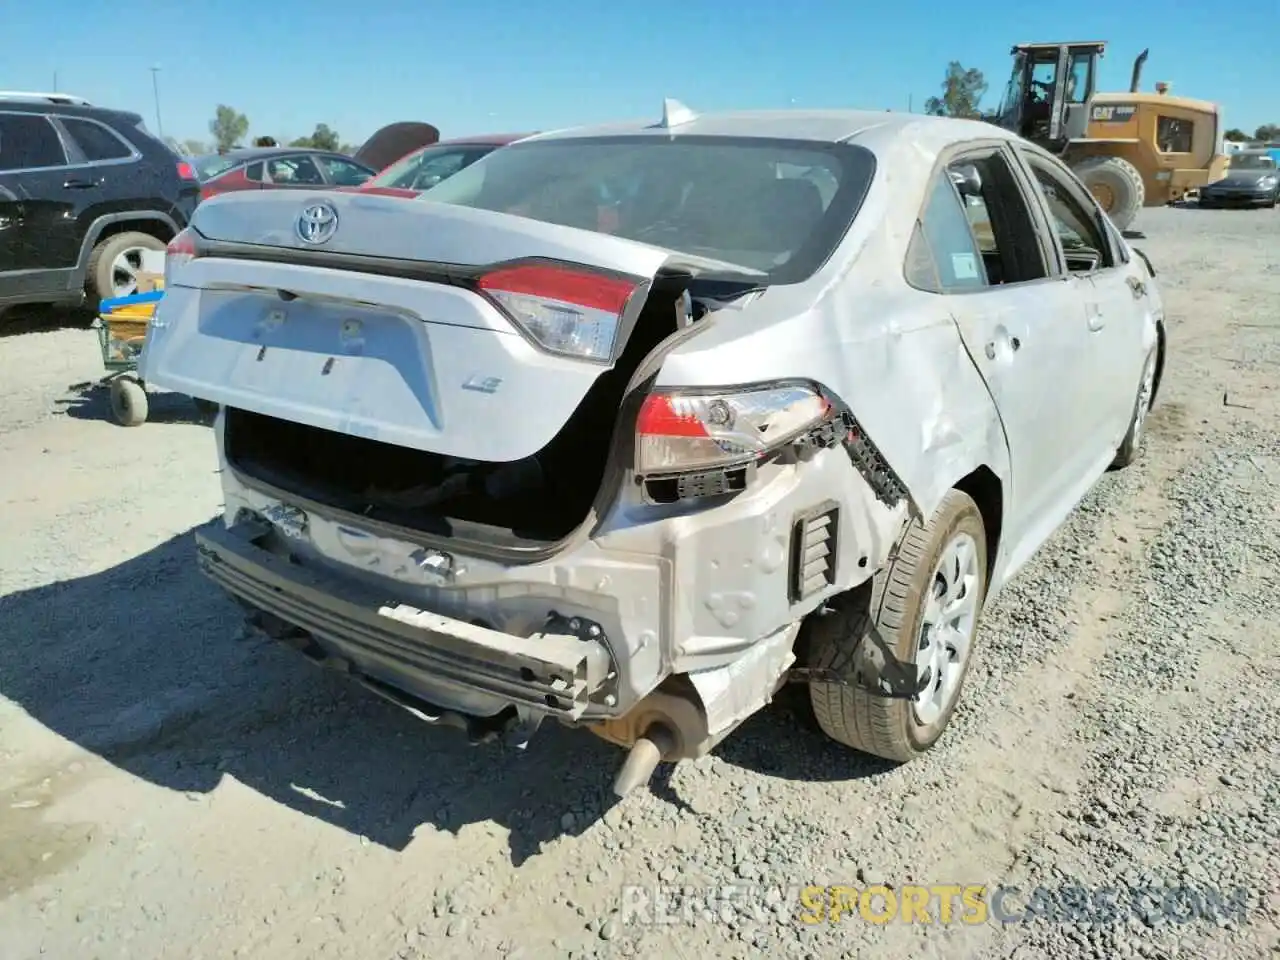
891, 353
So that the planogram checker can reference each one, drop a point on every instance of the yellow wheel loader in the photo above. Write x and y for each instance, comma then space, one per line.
1132, 150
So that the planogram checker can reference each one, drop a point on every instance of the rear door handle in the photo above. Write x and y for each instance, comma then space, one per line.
79, 184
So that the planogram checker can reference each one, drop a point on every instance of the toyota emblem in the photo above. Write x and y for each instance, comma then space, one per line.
317, 223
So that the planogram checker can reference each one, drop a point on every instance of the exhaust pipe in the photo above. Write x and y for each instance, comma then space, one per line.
643, 759
1137, 71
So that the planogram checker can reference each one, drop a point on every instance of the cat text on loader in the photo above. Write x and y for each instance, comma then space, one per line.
1130, 149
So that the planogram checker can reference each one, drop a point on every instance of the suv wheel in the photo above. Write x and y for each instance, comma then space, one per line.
115, 263
927, 611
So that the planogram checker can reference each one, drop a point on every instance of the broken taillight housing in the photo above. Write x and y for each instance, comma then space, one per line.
180, 250
572, 312
679, 431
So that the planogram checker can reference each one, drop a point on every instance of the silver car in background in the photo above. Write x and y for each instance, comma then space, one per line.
1251, 180
626, 426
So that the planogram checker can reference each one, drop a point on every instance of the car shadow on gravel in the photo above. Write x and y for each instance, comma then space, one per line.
146, 665
17, 321
784, 741
91, 400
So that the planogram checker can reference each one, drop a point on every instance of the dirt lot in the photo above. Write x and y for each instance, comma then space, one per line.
170, 787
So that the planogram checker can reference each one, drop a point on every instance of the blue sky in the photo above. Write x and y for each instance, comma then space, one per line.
501, 65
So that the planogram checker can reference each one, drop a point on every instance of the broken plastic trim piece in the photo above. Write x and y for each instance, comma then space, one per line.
870, 462
873, 667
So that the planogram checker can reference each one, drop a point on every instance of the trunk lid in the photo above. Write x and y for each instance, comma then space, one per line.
362, 342
393, 141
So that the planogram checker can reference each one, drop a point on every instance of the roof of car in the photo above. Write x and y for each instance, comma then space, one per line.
822, 126
89, 111
261, 153
498, 139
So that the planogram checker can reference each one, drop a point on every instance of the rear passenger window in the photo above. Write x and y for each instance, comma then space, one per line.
29, 142
976, 230
954, 251
95, 141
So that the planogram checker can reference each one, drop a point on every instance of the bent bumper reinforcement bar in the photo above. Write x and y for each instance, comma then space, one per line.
552, 674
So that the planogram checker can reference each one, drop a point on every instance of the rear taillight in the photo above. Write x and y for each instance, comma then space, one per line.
186, 171
679, 432
180, 250
567, 311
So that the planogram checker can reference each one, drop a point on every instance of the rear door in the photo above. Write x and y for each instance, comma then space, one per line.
12, 229
1022, 323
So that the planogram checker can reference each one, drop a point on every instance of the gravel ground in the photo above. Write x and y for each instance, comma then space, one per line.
171, 787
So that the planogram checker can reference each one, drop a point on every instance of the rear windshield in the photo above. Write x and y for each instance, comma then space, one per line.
779, 207
209, 167
423, 169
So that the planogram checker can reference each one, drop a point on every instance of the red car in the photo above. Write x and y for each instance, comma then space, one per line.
427, 166
274, 168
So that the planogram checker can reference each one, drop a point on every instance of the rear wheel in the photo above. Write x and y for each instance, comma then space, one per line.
928, 615
115, 264
1117, 186
1132, 442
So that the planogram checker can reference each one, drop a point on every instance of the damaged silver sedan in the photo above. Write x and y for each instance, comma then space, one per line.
626, 426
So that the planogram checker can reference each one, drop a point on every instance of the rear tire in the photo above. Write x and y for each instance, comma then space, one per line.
1118, 179
1131, 445
100, 277
908, 612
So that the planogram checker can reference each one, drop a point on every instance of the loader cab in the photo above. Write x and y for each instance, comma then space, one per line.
1047, 99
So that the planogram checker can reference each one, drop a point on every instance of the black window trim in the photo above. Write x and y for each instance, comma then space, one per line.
57, 132
73, 149
970, 150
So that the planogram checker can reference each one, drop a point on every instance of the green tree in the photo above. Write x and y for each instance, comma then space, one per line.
1267, 132
1237, 135
962, 91
228, 127
322, 138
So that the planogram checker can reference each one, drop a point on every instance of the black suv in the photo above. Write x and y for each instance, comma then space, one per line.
83, 191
